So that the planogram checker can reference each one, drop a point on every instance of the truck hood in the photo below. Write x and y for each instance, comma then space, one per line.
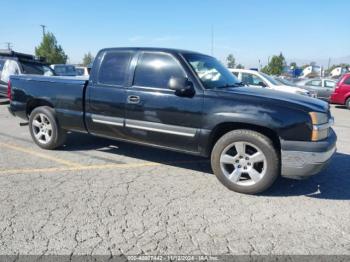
282, 98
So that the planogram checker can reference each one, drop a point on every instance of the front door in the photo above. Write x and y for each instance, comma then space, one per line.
157, 115
106, 94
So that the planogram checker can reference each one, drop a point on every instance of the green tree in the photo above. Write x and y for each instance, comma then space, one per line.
265, 69
88, 59
231, 61
275, 66
49, 49
240, 66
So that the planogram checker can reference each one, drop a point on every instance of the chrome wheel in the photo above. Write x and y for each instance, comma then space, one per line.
243, 163
42, 128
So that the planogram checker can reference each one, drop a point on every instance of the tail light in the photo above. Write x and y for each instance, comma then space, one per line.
9, 94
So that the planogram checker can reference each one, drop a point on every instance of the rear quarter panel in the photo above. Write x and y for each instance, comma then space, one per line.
65, 95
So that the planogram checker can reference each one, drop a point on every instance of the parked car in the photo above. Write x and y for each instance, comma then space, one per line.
341, 94
14, 63
64, 70
82, 71
187, 102
258, 79
292, 82
323, 87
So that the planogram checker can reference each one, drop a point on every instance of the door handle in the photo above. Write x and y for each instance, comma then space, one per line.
133, 99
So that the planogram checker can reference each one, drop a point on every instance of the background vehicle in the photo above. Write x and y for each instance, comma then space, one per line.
64, 70
13, 63
82, 71
338, 72
254, 78
341, 94
311, 71
321, 86
183, 101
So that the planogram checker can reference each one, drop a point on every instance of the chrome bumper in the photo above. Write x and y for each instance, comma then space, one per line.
307, 158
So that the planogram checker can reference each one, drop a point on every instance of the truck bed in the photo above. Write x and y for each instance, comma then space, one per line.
65, 94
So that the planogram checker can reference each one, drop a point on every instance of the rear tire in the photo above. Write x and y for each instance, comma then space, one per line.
347, 103
245, 161
44, 128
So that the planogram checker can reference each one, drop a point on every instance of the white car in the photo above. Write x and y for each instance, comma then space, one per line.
258, 79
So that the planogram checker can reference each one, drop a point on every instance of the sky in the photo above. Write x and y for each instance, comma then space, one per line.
252, 30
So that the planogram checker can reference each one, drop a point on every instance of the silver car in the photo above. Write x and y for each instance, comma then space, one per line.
323, 87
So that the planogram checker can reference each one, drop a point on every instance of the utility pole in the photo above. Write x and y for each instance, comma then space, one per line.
43, 28
9, 45
212, 40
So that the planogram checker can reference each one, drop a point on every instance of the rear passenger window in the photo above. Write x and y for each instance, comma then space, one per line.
347, 81
329, 84
314, 83
114, 68
155, 70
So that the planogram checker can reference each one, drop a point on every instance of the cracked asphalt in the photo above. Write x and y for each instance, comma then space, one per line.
102, 197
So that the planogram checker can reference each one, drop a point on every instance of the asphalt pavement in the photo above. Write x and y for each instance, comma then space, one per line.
97, 196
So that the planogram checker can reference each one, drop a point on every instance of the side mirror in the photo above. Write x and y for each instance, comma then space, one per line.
262, 84
181, 85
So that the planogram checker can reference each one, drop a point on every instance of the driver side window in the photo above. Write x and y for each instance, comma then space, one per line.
156, 69
250, 79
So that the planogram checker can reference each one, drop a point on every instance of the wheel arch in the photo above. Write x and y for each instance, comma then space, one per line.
226, 127
34, 103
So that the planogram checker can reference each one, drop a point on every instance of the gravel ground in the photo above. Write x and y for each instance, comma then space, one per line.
97, 196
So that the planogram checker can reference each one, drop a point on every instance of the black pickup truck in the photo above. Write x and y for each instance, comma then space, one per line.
183, 101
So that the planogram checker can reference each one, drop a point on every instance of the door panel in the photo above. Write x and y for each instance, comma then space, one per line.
160, 116
106, 96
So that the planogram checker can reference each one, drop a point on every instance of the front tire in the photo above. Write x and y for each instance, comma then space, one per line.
44, 128
245, 161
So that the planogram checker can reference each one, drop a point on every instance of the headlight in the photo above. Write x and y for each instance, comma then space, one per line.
321, 124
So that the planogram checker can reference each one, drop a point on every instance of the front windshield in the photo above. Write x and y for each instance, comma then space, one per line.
211, 72
270, 79
285, 82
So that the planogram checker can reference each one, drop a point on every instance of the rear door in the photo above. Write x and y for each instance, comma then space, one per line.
106, 93
157, 115
316, 86
328, 86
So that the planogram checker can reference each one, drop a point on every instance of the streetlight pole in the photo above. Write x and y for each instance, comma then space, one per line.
212, 40
43, 28
9, 45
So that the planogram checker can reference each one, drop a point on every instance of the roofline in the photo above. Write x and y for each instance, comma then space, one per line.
154, 49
